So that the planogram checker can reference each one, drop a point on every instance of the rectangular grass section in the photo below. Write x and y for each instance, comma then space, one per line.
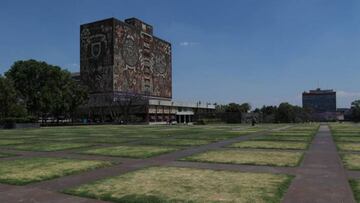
283, 138
351, 161
347, 139
355, 186
4, 155
270, 145
235, 156
175, 142
348, 146
10, 142
24, 171
48, 147
131, 151
170, 184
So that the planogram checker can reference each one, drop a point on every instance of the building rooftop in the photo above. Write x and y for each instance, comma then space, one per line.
320, 91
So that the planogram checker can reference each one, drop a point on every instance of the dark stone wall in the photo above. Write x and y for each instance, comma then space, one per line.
96, 55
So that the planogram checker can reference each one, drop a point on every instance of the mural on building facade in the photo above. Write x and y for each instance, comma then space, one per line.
118, 57
96, 56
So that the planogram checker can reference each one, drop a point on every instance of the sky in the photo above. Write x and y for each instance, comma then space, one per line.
257, 51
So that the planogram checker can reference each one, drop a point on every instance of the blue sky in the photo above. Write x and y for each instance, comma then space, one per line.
257, 51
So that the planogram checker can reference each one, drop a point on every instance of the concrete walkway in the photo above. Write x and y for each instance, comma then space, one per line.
321, 177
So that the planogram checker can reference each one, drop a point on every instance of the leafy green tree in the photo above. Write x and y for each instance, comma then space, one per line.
33, 82
10, 106
245, 107
233, 108
268, 113
285, 113
77, 95
355, 110
46, 90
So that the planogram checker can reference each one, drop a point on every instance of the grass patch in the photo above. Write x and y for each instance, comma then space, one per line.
131, 151
4, 155
48, 147
283, 138
24, 171
270, 145
292, 134
348, 146
11, 142
171, 184
235, 156
176, 142
355, 186
347, 139
351, 161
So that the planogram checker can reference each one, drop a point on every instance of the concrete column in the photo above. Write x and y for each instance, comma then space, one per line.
156, 108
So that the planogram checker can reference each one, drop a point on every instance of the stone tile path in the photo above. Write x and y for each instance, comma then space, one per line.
321, 177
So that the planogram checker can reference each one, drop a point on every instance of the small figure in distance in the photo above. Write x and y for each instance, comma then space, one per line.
253, 121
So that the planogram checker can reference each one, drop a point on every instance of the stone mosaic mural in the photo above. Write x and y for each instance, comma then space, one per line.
119, 57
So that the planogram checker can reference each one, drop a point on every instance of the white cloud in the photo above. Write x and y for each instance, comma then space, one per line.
345, 94
186, 43
73, 66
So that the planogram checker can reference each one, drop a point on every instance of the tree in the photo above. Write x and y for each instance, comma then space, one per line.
77, 95
268, 113
46, 90
355, 110
285, 113
245, 107
232, 107
10, 106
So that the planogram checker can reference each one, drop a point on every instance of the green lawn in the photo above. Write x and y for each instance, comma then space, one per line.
347, 139
3, 155
283, 138
170, 184
24, 171
48, 147
355, 186
348, 146
4, 142
235, 156
292, 133
131, 151
124, 133
351, 161
271, 145
175, 142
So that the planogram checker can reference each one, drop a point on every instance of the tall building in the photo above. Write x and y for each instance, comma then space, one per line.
320, 100
118, 59
125, 57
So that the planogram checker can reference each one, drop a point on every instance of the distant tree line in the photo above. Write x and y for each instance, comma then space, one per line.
36, 90
240, 113
284, 113
232, 112
355, 110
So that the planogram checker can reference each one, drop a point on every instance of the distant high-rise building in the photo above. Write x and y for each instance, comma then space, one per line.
319, 101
